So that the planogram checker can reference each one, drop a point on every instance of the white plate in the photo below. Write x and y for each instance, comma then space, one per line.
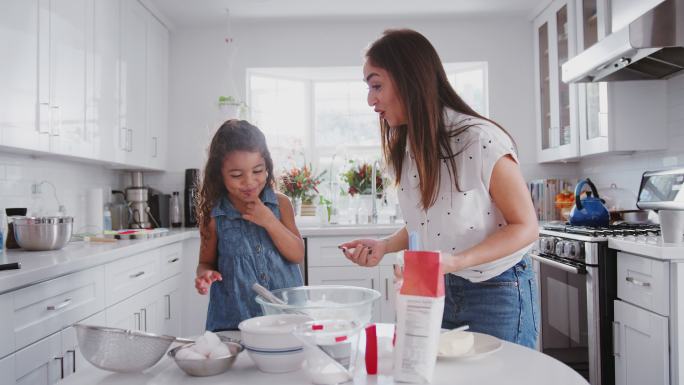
483, 345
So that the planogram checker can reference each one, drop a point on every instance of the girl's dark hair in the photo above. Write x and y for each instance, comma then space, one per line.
422, 86
233, 135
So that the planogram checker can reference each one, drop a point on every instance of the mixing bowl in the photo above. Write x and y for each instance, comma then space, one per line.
208, 366
270, 343
42, 233
324, 302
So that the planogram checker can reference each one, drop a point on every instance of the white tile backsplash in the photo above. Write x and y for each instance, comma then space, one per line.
71, 179
625, 170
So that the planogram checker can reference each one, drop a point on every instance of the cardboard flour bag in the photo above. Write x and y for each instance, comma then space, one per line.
420, 305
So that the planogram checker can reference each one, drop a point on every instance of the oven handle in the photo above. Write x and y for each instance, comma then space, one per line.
558, 265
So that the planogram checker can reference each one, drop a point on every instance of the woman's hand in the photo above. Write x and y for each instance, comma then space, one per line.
364, 252
257, 212
204, 280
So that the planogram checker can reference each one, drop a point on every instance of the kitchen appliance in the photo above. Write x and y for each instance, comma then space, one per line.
589, 211
191, 189
650, 47
663, 191
159, 209
577, 276
42, 233
119, 210
11, 241
136, 196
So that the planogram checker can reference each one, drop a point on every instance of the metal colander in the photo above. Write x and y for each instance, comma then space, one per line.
121, 350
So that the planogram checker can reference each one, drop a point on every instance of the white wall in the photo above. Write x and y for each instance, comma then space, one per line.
625, 170
201, 70
71, 179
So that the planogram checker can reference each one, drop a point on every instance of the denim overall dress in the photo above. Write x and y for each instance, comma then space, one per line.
246, 254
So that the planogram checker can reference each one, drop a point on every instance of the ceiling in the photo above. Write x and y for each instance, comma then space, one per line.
184, 13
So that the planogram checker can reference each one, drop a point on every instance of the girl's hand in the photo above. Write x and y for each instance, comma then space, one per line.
204, 280
364, 252
258, 213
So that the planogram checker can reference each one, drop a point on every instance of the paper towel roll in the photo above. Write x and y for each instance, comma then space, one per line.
94, 211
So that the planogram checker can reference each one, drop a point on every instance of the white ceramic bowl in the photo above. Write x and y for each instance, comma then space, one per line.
270, 343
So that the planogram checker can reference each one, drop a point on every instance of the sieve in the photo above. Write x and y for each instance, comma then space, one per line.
121, 350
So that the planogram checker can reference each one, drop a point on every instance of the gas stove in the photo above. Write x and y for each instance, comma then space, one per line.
598, 234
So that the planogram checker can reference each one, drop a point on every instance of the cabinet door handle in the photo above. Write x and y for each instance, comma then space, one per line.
155, 146
168, 306
636, 282
372, 283
386, 289
57, 127
138, 321
73, 362
143, 313
61, 366
61, 305
174, 260
130, 140
123, 144
616, 339
138, 274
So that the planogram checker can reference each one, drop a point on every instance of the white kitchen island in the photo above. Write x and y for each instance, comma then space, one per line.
513, 364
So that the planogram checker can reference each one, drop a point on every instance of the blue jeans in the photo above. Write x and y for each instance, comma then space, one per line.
504, 306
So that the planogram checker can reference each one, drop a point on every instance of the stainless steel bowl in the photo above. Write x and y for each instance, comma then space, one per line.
42, 233
209, 366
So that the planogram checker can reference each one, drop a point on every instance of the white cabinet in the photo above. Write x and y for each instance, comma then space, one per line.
138, 312
555, 43
169, 306
388, 300
158, 90
73, 361
640, 346
39, 363
19, 106
133, 107
102, 80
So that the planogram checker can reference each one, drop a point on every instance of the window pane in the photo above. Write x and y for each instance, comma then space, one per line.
279, 109
470, 86
342, 115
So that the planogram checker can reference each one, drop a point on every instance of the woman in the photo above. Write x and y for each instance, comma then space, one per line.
460, 188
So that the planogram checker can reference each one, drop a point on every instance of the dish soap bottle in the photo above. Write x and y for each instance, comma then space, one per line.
174, 210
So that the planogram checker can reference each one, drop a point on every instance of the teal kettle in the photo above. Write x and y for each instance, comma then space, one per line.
589, 211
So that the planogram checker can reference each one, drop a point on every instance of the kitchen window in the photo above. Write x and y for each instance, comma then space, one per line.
321, 116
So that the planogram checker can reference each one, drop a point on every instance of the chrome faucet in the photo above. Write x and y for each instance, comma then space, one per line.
374, 189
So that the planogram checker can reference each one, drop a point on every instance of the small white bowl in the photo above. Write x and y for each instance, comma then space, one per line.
270, 343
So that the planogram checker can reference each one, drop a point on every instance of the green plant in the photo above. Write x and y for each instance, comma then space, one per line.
358, 177
300, 183
222, 100
327, 203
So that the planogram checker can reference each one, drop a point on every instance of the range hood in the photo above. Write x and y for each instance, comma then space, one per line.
650, 47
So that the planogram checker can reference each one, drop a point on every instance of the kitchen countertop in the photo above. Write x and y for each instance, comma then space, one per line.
38, 266
513, 364
653, 248
309, 230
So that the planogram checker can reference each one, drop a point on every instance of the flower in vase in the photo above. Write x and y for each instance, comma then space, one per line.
300, 183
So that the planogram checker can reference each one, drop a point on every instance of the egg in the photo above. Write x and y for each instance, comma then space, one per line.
455, 343
189, 354
206, 343
219, 351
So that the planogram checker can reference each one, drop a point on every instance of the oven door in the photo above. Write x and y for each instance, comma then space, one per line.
565, 312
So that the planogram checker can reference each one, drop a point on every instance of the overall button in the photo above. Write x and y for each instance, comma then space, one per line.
258, 248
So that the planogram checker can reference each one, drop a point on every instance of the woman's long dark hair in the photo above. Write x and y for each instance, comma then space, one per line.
423, 87
233, 135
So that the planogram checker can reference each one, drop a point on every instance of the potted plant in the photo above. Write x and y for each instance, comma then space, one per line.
230, 107
301, 186
358, 178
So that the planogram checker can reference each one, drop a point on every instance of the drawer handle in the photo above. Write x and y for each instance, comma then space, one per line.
73, 361
62, 305
634, 281
138, 274
61, 367
174, 260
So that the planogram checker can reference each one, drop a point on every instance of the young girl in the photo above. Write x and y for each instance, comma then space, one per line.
248, 232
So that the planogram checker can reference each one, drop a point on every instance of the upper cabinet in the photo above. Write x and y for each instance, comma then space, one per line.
85, 79
19, 126
575, 120
158, 91
557, 136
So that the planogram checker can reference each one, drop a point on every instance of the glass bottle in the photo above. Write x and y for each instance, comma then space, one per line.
174, 210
